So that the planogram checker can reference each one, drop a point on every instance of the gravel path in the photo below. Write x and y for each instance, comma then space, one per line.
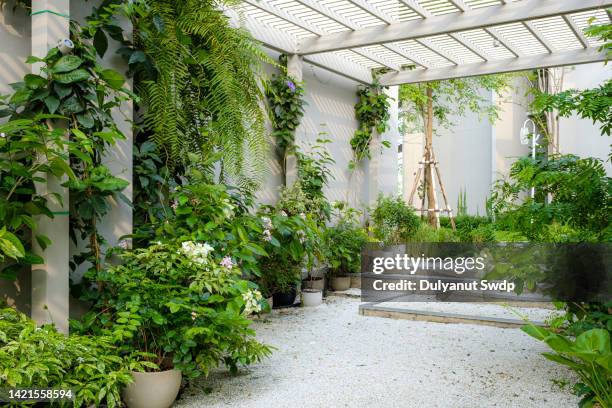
330, 356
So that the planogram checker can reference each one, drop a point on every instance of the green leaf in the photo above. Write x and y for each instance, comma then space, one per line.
34, 81
52, 103
72, 77
100, 42
114, 79
66, 63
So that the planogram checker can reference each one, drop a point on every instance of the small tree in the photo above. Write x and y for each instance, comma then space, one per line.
424, 105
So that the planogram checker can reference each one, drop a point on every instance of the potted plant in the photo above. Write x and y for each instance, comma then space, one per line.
343, 243
289, 242
182, 306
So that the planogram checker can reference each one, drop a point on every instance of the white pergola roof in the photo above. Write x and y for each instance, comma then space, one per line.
424, 40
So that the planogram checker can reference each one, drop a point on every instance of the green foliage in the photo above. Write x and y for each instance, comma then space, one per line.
594, 104
29, 153
393, 222
177, 302
210, 213
579, 187
588, 355
84, 93
286, 107
451, 98
426, 233
291, 242
33, 357
343, 242
200, 81
372, 112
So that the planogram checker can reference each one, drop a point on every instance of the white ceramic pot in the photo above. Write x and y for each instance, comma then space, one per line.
312, 297
356, 280
341, 283
153, 390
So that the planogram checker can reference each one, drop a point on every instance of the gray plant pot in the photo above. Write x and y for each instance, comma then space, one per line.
153, 390
318, 284
341, 283
356, 280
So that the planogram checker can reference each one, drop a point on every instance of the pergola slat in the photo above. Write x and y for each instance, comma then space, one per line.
577, 31
502, 40
536, 33
514, 12
555, 59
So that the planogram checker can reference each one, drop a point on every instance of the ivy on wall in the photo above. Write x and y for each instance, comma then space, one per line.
80, 95
286, 106
372, 112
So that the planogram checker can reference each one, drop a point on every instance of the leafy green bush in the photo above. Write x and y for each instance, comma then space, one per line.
290, 242
343, 243
589, 356
427, 233
393, 221
29, 152
179, 303
580, 188
41, 357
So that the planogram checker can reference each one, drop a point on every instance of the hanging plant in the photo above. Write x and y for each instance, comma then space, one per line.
286, 105
372, 112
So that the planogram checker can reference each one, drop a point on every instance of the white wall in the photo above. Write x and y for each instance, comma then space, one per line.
331, 99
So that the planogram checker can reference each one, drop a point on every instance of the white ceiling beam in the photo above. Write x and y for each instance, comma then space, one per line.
470, 46
275, 11
538, 35
417, 8
413, 58
436, 50
500, 38
556, 59
341, 66
379, 60
577, 31
514, 12
459, 4
366, 6
327, 12
269, 37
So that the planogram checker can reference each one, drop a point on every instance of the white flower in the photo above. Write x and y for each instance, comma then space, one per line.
283, 213
174, 205
194, 315
80, 360
123, 244
267, 235
3, 135
197, 252
303, 216
227, 262
251, 301
267, 223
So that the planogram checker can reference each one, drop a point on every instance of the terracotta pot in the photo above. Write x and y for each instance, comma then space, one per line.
356, 280
312, 297
340, 283
315, 283
153, 390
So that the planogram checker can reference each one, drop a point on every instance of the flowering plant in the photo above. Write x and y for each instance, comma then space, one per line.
291, 242
178, 302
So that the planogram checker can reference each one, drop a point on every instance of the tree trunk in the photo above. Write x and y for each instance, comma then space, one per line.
428, 180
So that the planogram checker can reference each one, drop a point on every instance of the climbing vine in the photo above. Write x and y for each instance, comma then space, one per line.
286, 105
81, 93
372, 112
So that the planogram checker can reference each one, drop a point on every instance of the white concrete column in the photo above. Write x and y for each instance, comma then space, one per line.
50, 281
294, 70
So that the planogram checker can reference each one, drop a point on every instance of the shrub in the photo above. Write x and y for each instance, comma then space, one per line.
290, 242
40, 357
343, 243
393, 221
589, 356
176, 301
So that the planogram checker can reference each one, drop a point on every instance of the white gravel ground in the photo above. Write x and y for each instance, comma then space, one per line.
330, 356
